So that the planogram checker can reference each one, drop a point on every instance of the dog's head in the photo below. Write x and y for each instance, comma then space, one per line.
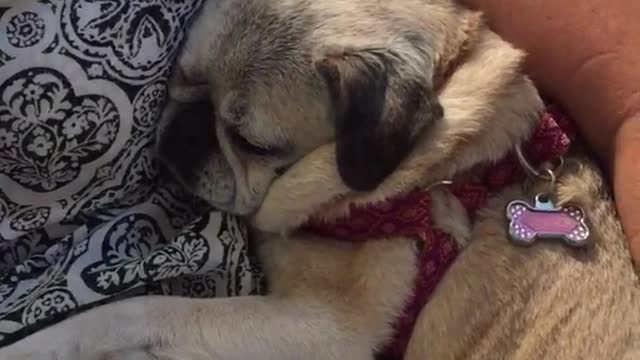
261, 84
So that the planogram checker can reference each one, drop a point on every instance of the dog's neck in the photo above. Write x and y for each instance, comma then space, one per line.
489, 107
549, 142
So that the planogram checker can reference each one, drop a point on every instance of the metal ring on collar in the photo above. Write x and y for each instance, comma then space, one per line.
546, 174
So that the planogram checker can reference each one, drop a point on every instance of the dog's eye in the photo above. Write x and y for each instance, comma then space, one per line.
251, 147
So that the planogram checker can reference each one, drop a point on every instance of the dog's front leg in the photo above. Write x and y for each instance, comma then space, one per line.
188, 329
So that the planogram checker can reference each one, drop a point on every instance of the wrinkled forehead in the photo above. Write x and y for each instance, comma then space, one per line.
252, 41
267, 97
255, 68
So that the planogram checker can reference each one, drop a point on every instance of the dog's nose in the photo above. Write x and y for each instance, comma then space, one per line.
188, 140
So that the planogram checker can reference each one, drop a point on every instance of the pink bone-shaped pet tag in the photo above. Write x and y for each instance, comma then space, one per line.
546, 221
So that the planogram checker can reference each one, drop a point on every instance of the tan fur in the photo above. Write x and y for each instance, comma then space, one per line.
544, 302
334, 300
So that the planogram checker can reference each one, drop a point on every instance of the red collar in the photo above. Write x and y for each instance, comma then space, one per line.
409, 215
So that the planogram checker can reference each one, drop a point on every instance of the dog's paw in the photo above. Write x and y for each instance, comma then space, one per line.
134, 354
40, 347
73, 354
34, 354
156, 353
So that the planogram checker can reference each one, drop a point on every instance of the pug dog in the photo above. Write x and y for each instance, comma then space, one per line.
286, 111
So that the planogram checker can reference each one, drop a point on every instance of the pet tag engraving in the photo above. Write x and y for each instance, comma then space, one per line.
545, 220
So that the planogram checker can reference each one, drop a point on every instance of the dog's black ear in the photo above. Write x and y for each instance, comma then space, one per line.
381, 107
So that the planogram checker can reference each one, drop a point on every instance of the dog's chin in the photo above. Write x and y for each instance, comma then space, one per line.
225, 199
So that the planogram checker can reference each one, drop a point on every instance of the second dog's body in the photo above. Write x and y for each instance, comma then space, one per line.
436, 98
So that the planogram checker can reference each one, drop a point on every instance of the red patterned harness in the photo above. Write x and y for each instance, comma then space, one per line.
409, 215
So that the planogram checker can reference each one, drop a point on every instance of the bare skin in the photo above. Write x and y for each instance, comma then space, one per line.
586, 55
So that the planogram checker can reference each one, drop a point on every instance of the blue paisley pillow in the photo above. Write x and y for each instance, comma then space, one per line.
86, 214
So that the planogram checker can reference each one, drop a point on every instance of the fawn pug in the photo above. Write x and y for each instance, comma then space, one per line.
299, 112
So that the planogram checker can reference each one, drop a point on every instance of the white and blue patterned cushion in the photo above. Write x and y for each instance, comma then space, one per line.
87, 215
